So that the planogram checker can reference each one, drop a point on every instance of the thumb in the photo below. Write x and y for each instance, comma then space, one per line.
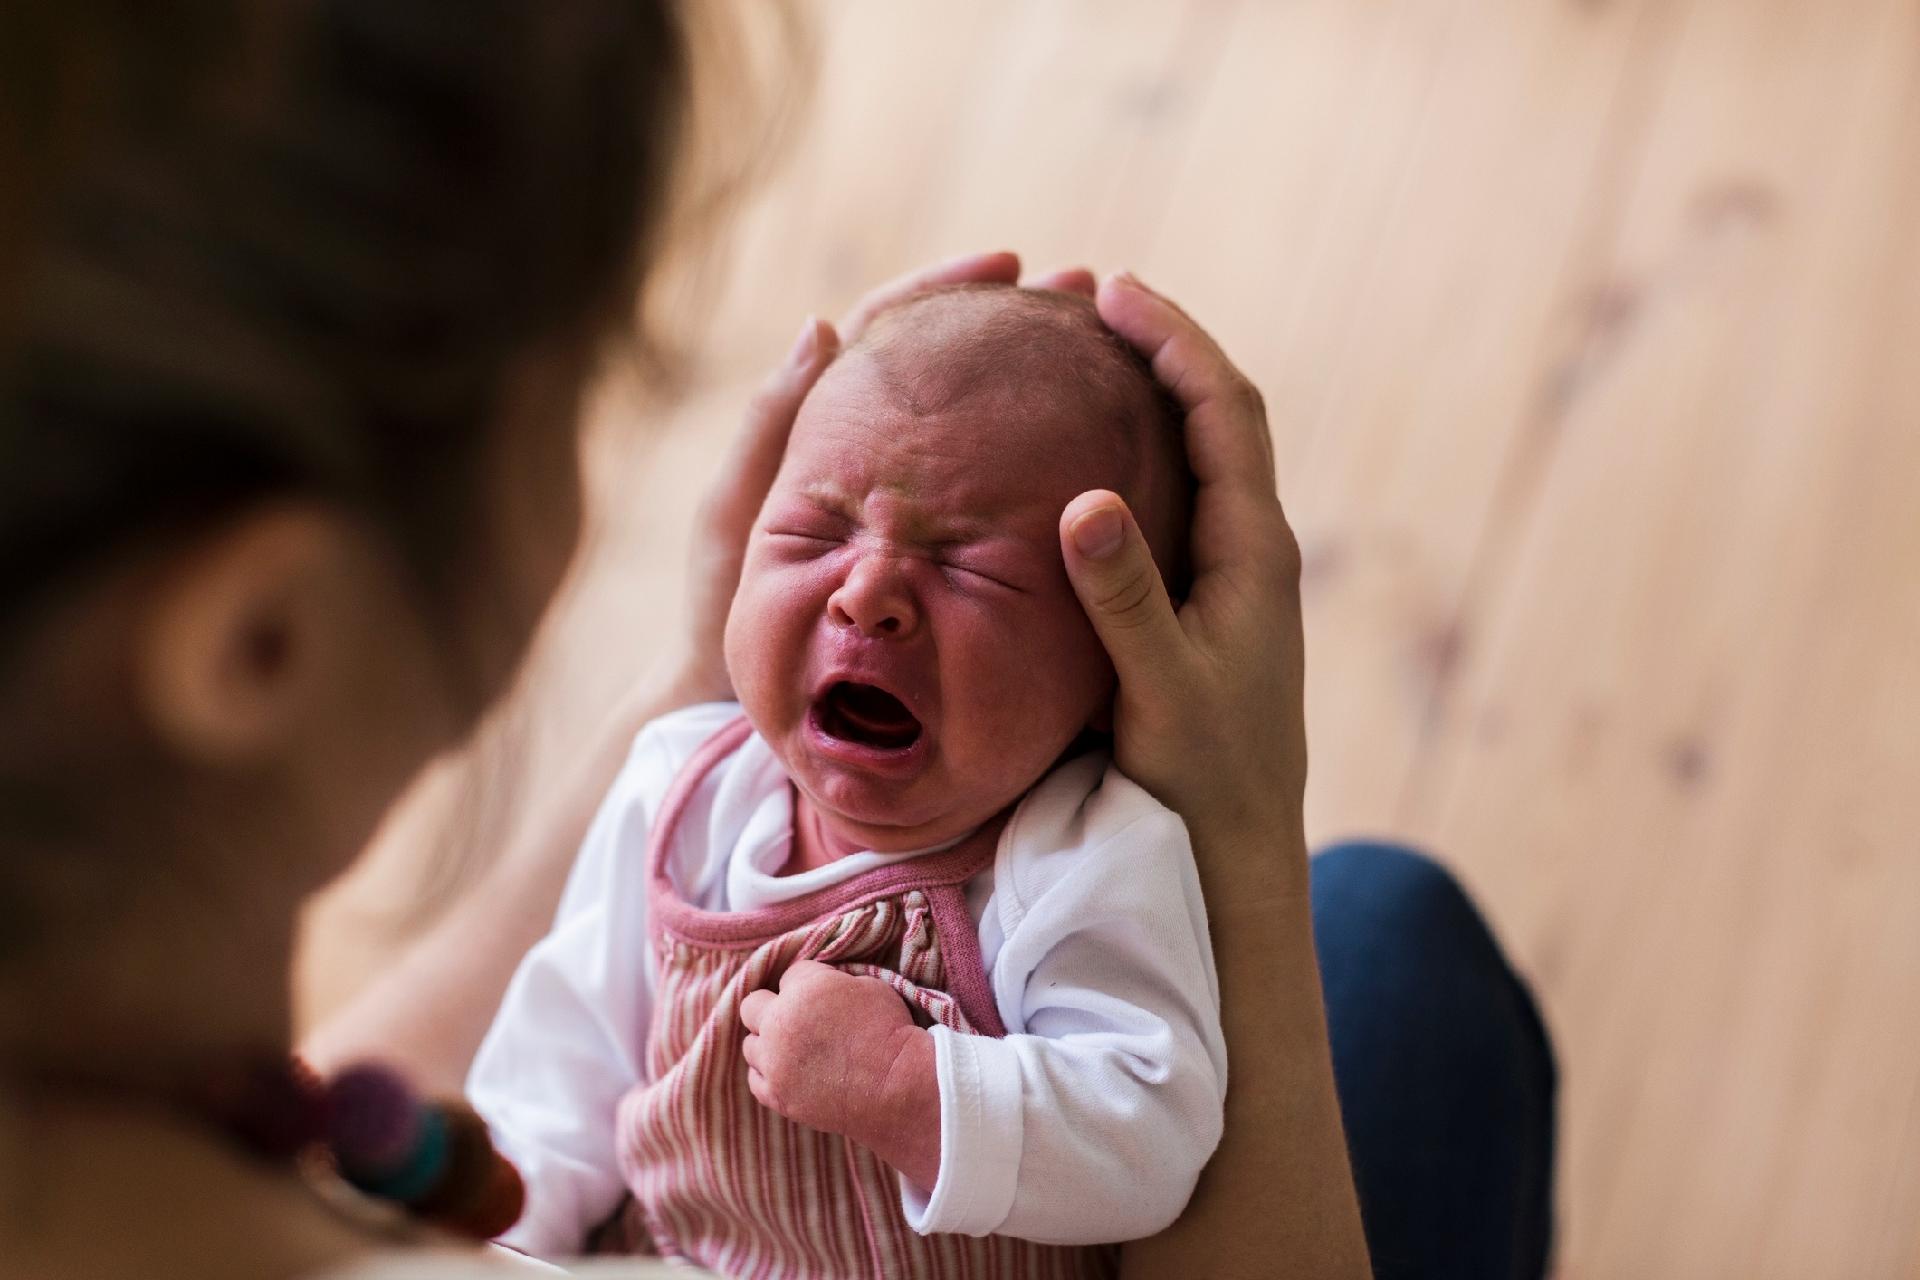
1114, 575
757, 450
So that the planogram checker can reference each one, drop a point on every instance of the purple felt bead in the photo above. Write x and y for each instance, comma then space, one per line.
373, 1120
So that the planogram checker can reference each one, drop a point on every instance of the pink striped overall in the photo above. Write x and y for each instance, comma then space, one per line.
721, 1180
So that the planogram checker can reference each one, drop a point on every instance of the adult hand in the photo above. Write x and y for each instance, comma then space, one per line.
1209, 718
1209, 712
727, 514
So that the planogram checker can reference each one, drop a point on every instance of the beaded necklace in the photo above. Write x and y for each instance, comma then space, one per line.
433, 1160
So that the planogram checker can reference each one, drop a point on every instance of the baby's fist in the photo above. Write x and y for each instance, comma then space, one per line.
840, 1053
821, 1049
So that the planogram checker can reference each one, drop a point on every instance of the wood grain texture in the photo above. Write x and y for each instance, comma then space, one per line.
1590, 331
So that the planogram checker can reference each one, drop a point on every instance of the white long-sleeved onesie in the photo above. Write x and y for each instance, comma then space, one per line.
1087, 1123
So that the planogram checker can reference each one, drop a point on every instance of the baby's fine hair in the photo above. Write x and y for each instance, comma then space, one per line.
972, 339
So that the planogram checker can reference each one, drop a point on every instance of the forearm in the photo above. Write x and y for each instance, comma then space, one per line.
1278, 1195
428, 1013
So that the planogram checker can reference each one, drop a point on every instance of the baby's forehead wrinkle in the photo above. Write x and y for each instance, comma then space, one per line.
915, 379
1043, 361
947, 480
928, 519
1050, 402
962, 412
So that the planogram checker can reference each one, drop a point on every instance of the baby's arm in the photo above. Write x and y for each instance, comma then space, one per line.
1092, 1122
564, 1046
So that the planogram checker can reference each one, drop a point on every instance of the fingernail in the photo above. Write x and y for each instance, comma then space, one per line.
1126, 277
803, 346
1099, 533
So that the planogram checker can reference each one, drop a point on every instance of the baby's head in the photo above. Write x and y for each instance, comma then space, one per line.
905, 636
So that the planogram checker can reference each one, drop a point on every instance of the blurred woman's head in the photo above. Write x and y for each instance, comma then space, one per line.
299, 297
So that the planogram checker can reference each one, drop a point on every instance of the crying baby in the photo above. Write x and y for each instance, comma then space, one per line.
886, 970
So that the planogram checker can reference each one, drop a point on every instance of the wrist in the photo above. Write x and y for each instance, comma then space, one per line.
903, 1124
1252, 858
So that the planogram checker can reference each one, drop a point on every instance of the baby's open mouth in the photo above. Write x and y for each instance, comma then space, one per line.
866, 715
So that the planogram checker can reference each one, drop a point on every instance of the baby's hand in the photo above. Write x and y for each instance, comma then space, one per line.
840, 1053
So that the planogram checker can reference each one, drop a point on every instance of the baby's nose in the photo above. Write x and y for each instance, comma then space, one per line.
876, 601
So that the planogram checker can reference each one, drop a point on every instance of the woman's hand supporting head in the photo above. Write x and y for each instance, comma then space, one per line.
1209, 718
1209, 711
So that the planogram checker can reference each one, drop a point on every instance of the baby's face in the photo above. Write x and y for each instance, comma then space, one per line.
905, 636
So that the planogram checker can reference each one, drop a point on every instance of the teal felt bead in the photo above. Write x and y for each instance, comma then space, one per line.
415, 1179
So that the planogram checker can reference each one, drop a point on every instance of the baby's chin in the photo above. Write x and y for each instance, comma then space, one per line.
857, 817
862, 813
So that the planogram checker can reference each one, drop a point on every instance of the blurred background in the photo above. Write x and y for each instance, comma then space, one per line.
1591, 333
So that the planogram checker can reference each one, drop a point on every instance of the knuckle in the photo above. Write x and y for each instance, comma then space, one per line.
1250, 398
1127, 602
1286, 558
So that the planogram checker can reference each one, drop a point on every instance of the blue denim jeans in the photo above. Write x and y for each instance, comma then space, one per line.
1445, 1072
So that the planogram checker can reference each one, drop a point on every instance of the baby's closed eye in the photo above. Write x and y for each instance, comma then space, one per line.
801, 540
981, 573
804, 522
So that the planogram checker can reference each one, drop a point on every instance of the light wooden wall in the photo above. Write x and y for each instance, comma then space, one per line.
1592, 336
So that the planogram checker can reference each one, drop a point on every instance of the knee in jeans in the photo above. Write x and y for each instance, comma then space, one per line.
1404, 927
1400, 887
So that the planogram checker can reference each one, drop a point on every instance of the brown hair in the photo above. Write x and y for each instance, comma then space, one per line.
294, 245
258, 248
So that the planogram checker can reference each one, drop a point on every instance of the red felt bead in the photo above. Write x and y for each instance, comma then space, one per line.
438, 1162
500, 1205
470, 1157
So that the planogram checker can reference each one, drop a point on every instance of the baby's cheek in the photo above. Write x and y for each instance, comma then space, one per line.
1077, 659
766, 633
1038, 682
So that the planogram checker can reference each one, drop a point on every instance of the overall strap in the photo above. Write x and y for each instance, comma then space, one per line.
666, 823
942, 877
967, 980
